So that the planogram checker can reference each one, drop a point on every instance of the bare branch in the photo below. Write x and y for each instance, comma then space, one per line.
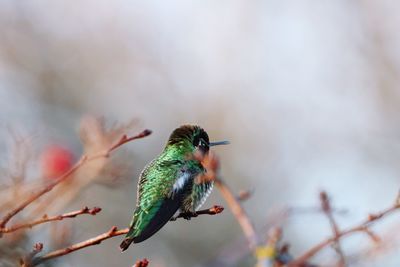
124, 139
37, 195
362, 227
211, 163
46, 219
27, 261
244, 195
98, 239
211, 211
239, 213
90, 242
141, 263
326, 207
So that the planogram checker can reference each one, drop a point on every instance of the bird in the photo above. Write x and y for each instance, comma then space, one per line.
167, 184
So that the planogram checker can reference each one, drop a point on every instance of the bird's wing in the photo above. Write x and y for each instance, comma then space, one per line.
161, 191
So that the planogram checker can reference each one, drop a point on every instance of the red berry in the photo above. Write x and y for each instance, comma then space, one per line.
55, 161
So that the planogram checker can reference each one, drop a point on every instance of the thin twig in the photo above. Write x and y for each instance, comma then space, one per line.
326, 207
141, 263
362, 227
90, 242
27, 260
46, 219
211, 211
211, 163
98, 239
239, 213
63, 177
46, 189
267, 254
125, 139
244, 195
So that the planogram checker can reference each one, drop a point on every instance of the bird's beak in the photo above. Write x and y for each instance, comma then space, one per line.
219, 143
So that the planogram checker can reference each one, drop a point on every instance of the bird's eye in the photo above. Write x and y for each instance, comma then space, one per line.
203, 145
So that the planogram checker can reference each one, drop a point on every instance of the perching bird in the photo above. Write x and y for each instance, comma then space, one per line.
167, 184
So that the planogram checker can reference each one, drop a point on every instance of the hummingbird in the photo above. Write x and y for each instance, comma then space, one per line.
167, 184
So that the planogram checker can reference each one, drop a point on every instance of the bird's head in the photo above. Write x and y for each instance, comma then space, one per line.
192, 137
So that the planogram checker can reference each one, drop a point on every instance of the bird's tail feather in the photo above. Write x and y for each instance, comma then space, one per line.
125, 244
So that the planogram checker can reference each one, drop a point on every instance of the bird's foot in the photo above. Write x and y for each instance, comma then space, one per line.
189, 215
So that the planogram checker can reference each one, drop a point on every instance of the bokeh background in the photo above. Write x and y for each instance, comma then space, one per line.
306, 92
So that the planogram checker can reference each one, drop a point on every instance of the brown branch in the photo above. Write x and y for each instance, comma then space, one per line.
35, 196
244, 195
90, 242
211, 163
125, 139
327, 209
211, 211
270, 250
27, 260
362, 227
46, 219
141, 263
85, 158
98, 239
239, 213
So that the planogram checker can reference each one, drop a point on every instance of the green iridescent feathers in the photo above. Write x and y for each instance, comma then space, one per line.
167, 184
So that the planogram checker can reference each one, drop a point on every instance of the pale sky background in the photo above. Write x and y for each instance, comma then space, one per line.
306, 91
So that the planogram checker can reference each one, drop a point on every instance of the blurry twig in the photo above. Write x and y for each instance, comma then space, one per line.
27, 260
141, 263
244, 195
267, 255
98, 239
235, 251
46, 219
239, 212
85, 158
20, 150
90, 242
21, 155
326, 207
211, 163
310, 210
96, 139
123, 140
211, 211
362, 227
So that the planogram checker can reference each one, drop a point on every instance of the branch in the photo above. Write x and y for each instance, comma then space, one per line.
239, 213
211, 211
211, 163
326, 207
362, 227
268, 254
141, 263
35, 196
244, 195
85, 158
90, 242
111, 233
46, 219
27, 261
125, 139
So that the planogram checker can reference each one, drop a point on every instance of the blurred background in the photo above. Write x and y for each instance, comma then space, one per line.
306, 92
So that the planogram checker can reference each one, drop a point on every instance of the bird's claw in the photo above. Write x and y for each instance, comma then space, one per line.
185, 215
189, 215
